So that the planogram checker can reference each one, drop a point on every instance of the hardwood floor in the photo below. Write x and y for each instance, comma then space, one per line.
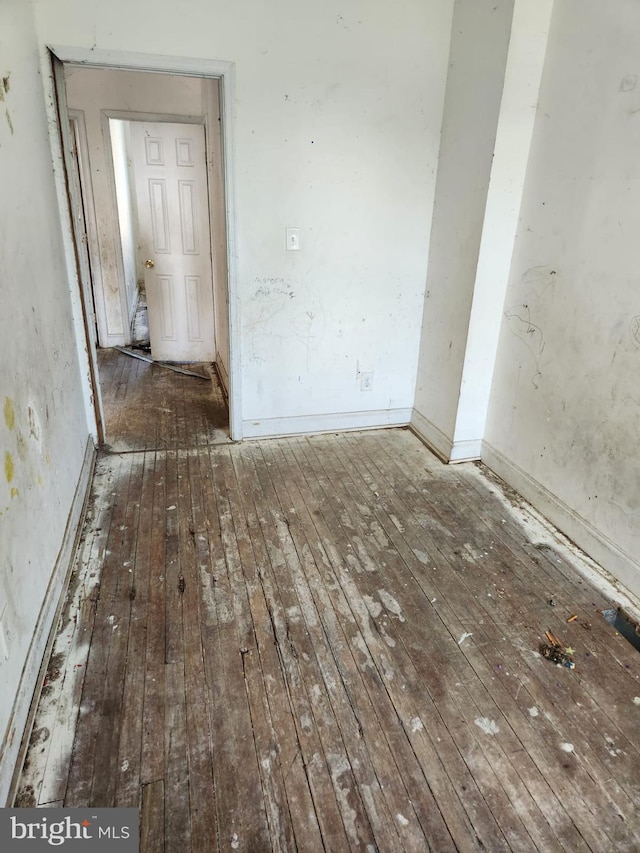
152, 407
331, 643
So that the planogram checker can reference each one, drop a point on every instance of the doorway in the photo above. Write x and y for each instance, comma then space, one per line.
191, 322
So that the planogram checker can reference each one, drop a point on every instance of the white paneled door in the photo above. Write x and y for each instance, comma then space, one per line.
173, 211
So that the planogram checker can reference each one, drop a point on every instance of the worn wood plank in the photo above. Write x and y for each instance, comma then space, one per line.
177, 835
288, 800
153, 671
244, 817
152, 817
298, 749
174, 639
203, 829
130, 744
106, 769
90, 717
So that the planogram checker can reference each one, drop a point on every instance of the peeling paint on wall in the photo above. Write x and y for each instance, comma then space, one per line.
34, 429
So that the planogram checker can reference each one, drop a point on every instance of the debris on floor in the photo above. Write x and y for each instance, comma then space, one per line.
554, 651
135, 353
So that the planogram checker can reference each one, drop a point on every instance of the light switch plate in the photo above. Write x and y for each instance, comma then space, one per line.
293, 239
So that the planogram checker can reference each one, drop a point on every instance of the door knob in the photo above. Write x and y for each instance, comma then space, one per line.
149, 264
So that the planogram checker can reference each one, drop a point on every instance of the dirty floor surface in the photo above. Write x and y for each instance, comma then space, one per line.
331, 643
151, 407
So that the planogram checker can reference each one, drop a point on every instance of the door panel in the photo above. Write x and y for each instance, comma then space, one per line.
192, 284
188, 217
171, 186
166, 307
159, 216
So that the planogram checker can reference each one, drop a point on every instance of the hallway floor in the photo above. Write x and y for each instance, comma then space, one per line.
149, 406
332, 643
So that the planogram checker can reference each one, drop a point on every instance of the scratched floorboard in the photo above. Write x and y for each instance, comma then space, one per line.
330, 643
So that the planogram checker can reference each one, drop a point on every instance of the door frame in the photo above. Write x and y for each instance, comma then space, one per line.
53, 60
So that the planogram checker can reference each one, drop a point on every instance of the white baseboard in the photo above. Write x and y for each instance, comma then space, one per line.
334, 422
466, 451
433, 437
18, 731
582, 533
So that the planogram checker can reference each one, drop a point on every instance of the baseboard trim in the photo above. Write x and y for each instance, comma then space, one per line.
620, 565
429, 434
334, 422
16, 739
223, 375
466, 451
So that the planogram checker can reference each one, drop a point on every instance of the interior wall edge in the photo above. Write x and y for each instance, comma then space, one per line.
18, 731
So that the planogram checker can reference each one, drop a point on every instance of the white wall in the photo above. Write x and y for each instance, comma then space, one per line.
564, 419
337, 120
92, 91
43, 429
478, 51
